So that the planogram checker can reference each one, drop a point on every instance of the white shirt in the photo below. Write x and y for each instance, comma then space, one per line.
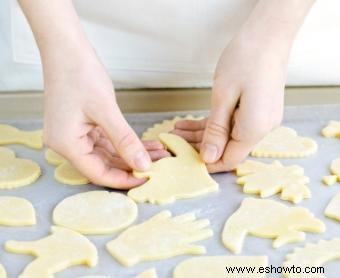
168, 43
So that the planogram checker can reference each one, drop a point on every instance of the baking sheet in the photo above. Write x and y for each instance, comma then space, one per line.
217, 207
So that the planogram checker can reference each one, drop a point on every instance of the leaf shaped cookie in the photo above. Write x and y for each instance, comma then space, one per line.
269, 179
62, 249
331, 130
165, 127
171, 178
268, 219
15, 211
65, 172
284, 142
12, 135
160, 237
312, 255
333, 208
216, 267
16, 172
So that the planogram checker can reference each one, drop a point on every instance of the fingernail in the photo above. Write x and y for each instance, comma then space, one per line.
142, 161
209, 153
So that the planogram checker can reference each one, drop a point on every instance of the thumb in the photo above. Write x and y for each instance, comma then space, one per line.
217, 130
124, 139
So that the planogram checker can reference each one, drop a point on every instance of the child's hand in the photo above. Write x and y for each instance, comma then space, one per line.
247, 103
84, 123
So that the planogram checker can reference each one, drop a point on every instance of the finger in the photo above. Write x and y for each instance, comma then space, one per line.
123, 138
189, 136
158, 154
191, 124
152, 145
217, 129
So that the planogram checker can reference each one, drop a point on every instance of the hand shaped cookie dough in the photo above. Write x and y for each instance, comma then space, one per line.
150, 273
62, 249
215, 266
16, 172
171, 178
269, 179
12, 135
2, 272
15, 211
64, 173
164, 127
268, 219
160, 237
331, 130
283, 142
312, 255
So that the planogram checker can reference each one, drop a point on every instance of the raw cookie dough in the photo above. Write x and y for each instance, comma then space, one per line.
312, 255
15, 211
331, 130
12, 135
16, 172
64, 173
215, 266
171, 178
268, 219
333, 208
165, 127
160, 237
2, 272
283, 142
335, 173
269, 179
150, 273
62, 249
95, 212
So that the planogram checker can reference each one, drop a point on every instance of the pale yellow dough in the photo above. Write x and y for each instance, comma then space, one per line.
16, 172
62, 249
2, 272
215, 267
150, 273
95, 212
269, 179
160, 237
171, 178
65, 172
333, 208
284, 142
12, 135
335, 173
15, 211
331, 130
165, 127
312, 255
268, 219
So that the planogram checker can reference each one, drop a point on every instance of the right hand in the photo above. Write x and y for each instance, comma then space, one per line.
83, 122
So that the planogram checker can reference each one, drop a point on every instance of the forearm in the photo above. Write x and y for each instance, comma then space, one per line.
276, 21
56, 28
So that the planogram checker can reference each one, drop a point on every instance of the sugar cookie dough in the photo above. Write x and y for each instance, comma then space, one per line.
215, 266
268, 219
171, 178
12, 135
312, 255
95, 212
160, 237
269, 179
15, 211
2, 272
150, 273
62, 249
333, 208
284, 142
64, 173
16, 172
331, 130
335, 173
165, 127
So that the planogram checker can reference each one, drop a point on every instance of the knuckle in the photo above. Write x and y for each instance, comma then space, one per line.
126, 141
216, 129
